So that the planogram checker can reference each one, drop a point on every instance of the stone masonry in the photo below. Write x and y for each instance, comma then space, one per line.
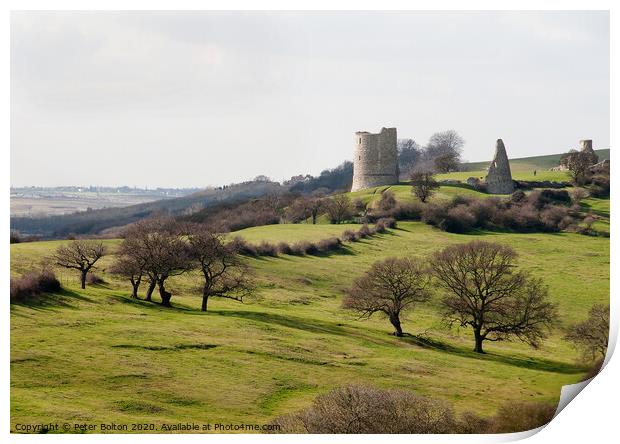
376, 159
499, 178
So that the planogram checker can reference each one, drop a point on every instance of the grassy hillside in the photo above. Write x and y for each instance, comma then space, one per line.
95, 355
97, 221
531, 163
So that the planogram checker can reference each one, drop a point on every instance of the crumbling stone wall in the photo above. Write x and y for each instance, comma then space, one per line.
499, 179
376, 159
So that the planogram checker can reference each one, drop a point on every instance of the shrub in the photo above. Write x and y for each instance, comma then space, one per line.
458, 220
469, 423
92, 278
600, 186
327, 245
267, 249
387, 201
521, 416
361, 409
311, 248
300, 248
284, 248
350, 236
555, 218
364, 231
518, 196
383, 224
541, 198
33, 284
241, 246
433, 214
407, 211
359, 206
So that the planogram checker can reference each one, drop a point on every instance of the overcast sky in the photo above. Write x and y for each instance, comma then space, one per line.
208, 98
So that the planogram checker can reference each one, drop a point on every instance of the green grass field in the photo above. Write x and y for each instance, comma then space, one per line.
95, 355
517, 174
539, 163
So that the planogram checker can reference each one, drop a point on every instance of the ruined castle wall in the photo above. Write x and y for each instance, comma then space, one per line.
499, 178
376, 159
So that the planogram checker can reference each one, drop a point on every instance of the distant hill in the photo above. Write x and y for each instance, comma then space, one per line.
97, 221
531, 163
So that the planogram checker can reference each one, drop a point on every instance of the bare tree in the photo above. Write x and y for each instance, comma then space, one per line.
338, 208
129, 267
157, 245
409, 154
305, 208
578, 164
484, 292
225, 273
447, 146
592, 335
79, 255
423, 184
389, 287
447, 162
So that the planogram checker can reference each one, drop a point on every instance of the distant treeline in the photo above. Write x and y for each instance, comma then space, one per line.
330, 180
98, 221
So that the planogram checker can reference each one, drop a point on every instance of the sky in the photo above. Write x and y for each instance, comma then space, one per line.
193, 99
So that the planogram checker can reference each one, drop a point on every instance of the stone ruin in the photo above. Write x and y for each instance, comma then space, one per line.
585, 146
376, 159
499, 179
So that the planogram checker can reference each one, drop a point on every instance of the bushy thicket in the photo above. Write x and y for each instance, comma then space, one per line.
17, 238
600, 185
363, 409
93, 278
303, 248
33, 284
266, 210
540, 211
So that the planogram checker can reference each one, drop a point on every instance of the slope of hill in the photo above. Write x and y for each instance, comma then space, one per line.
531, 163
96, 221
103, 357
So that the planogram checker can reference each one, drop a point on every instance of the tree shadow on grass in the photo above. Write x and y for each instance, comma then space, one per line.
48, 301
538, 364
143, 303
312, 326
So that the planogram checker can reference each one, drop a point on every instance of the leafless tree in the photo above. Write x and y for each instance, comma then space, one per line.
423, 184
578, 164
129, 267
447, 162
79, 255
390, 286
225, 273
158, 246
409, 154
447, 146
592, 334
484, 292
338, 208
304, 208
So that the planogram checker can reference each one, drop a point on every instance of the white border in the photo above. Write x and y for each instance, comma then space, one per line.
591, 417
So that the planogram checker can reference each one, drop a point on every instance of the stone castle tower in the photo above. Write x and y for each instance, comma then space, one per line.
586, 147
499, 178
376, 159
